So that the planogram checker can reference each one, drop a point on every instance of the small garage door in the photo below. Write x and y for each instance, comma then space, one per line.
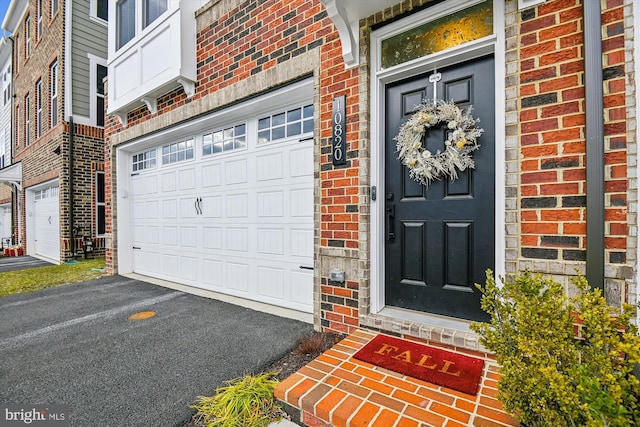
231, 209
46, 213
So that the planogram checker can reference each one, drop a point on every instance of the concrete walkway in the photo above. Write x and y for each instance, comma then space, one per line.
76, 345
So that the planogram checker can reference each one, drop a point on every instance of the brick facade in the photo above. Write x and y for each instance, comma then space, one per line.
246, 47
45, 157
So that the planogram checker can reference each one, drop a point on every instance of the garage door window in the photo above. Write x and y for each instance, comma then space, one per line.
144, 160
285, 124
178, 152
233, 138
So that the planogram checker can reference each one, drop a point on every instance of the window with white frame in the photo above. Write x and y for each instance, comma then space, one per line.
153, 9
142, 161
38, 19
224, 140
100, 204
27, 37
125, 21
132, 14
285, 124
177, 152
17, 43
99, 9
27, 120
39, 108
6, 80
53, 7
16, 133
53, 93
101, 73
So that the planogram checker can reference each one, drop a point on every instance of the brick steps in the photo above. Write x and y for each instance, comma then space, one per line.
337, 390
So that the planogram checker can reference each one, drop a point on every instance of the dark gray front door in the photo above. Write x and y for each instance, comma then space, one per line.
440, 238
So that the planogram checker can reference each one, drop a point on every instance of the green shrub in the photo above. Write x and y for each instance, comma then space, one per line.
550, 377
246, 402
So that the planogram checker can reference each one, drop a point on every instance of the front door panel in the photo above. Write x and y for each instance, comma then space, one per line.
440, 238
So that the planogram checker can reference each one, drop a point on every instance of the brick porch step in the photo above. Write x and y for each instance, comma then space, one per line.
337, 390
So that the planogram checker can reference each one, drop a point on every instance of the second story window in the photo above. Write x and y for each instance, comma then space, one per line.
153, 9
101, 72
39, 108
126, 21
27, 37
54, 7
27, 120
53, 93
38, 19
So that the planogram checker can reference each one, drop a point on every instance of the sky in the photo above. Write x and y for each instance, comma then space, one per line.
4, 4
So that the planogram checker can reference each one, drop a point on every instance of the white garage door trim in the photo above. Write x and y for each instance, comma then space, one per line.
208, 199
43, 221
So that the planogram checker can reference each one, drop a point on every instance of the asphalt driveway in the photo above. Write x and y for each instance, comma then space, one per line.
21, 263
76, 345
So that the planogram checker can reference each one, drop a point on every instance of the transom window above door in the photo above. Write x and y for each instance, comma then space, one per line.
231, 138
177, 152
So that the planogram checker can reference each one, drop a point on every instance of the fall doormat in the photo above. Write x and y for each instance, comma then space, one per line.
453, 370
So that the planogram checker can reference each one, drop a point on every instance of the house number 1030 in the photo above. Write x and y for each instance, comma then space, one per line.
338, 127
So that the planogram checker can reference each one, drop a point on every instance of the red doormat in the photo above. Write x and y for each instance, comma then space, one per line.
453, 370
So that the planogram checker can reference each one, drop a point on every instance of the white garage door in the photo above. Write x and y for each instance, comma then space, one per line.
5, 222
46, 213
231, 209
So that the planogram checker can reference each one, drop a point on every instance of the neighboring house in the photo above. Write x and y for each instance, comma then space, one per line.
8, 189
59, 61
251, 152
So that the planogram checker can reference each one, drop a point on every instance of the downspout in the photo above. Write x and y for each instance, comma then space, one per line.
594, 137
71, 219
15, 195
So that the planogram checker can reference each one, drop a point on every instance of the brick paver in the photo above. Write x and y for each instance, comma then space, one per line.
338, 390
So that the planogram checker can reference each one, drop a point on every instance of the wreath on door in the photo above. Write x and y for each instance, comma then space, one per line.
425, 166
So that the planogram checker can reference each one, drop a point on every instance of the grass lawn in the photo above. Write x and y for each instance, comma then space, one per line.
32, 279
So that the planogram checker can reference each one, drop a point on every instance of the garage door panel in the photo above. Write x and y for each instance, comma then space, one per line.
151, 209
301, 204
299, 164
269, 167
237, 239
169, 182
212, 237
301, 243
46, 224
187, 179
212, 175
270, 204
212, 206
189, 268
188, 208
237, 277
171, 265
271, 282
170, 235
170, 209
271, 241
189, 237
212, 273
150, 184
301, 289
237, 205
236, 172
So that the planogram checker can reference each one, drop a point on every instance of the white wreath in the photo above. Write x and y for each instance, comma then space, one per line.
425, 166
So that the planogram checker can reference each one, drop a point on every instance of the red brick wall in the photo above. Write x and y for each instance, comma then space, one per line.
552, 120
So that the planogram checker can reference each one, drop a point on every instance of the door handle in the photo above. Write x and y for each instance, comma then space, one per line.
195, 205
391, 225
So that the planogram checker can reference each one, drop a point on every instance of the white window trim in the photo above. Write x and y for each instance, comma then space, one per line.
39, 108
98, 203
524, 4
54, 79
27, 120
38, 20
381, 77
93, 13
93, 93
27, 37
52, 12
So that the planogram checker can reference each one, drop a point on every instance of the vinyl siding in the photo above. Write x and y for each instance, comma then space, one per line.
87, 37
